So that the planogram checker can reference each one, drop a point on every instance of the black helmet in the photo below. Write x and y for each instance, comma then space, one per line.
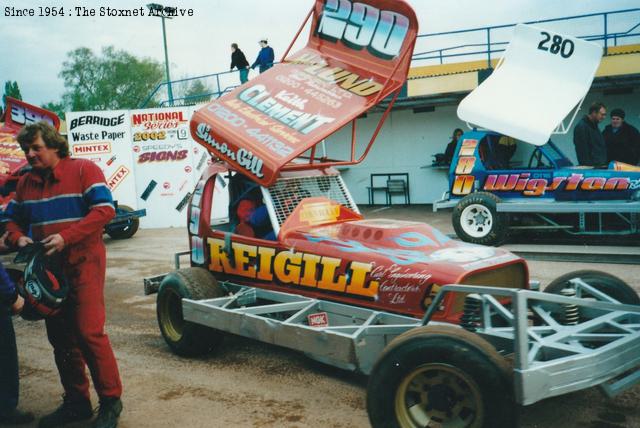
42, 287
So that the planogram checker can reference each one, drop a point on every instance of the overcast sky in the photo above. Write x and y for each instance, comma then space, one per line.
32, 49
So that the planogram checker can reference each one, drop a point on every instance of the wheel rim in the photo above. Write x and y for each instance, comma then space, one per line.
171, 319
476, 220
439, 395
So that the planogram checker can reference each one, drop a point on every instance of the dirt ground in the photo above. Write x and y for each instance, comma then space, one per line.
249, 384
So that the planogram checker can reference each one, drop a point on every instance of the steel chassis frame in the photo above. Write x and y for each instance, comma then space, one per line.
550, 357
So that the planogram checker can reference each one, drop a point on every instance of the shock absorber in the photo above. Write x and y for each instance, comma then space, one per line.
471, 319
571, 311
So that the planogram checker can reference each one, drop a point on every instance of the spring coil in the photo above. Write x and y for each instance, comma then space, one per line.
471, 319
571, 312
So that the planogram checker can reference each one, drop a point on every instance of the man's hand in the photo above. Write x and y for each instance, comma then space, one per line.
17, 306
3, 243
23, 241
53, 244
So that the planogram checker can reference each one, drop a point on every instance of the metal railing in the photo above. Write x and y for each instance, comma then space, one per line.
475, 43
493, 39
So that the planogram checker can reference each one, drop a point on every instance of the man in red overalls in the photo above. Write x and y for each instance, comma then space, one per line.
67, 203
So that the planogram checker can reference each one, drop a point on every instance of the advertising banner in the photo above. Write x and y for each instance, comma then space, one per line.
105, 138
166, 161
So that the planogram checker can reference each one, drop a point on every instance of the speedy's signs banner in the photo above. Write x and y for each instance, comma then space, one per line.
104, 137
356, 55
164, 160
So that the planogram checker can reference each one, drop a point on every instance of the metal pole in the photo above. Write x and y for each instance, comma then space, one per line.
166, 62
488, 47
606, 36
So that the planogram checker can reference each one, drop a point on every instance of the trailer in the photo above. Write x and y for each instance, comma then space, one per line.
450, 333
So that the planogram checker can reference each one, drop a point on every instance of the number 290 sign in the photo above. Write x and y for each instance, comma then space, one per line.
360, 25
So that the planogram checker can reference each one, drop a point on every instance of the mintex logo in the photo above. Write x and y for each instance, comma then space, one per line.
117, 177
92, 149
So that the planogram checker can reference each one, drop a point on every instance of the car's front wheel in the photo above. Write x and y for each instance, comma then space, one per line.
477, 220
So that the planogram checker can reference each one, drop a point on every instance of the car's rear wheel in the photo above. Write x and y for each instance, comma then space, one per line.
604, 282
476, 219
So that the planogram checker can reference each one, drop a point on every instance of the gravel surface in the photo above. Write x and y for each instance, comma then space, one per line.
250, 384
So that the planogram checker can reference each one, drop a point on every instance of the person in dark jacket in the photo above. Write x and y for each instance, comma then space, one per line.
10, 303
451, 147
265, 57
622, 139
239, 61
590, 147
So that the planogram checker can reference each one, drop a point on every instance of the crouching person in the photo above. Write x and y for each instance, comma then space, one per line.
66, 204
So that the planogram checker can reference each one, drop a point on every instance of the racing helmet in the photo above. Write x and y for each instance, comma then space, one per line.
42, 287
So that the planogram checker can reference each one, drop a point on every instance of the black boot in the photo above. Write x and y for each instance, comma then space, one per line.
16, 417
69, 411
110, 409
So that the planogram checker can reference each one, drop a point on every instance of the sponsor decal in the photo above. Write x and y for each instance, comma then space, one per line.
110, 161
92, 149
117, 177
92, 136
291, 98
97, 120
183, 202
320, 319
243, 157
147, 192
159, 120
163, 156
528, 186
345, 79
259, 98
11, 149
319, 212
294, 268
201, 162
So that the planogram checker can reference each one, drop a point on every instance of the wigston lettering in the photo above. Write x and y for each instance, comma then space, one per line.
259, 98
293, 268
538, 186
97, 120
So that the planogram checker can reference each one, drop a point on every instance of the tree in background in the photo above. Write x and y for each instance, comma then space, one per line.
57, 108
197, 92
11, 89
114, 80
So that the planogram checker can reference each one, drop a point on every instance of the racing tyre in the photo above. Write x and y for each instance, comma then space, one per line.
476, 219
440, 376
123, 230
601, 281
185, 338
